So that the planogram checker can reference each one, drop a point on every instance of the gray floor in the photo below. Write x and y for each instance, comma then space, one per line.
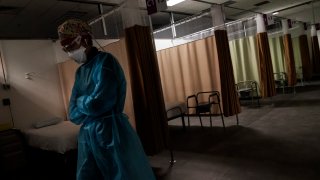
279, 140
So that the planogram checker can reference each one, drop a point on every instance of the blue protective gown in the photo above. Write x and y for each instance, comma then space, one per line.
108, 147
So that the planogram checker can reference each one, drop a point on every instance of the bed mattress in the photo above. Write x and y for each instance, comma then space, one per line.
61, 137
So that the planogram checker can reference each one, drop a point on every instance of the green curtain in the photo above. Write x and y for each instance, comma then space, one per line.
244, 59
297, 56
277, 54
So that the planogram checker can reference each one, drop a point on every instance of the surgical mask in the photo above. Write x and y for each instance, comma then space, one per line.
78, 55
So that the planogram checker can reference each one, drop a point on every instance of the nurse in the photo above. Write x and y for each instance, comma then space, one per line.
108, 147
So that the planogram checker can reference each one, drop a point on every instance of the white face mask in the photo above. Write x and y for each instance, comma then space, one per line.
78, 55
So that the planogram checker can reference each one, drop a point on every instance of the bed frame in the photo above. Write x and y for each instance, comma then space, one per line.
52, 165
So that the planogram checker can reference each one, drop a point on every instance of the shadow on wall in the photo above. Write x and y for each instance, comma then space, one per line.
5, 115
27, 109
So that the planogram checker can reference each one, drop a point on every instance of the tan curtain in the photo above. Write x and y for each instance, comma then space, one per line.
147, 93
67, 72
305, 57
68, 68
289, 59
188, 69
315, 55
267, 85
230, 98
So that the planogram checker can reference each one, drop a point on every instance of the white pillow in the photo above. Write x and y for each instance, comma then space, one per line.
48, 122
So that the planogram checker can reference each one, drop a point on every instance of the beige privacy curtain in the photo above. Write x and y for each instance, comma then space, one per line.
68, 68
305, 57
267, 85
231, 104
277, 54
289, 59
188, 69
67, 72
245, 59
194, 67
149, 107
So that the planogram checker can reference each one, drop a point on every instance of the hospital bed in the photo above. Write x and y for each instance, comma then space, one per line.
60, 137
52, 150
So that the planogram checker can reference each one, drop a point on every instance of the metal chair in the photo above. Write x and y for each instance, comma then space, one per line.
203, 103
192, 102
280, 80
176, 110
248, 90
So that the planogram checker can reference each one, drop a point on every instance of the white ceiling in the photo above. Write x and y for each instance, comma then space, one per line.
38, 19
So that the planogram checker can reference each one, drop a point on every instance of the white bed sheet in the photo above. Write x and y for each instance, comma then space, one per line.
60, 137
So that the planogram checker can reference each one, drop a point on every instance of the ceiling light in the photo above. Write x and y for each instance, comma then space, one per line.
275, 13
173, 2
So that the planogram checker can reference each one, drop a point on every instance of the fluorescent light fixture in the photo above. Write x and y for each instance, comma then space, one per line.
173, 2
275, 13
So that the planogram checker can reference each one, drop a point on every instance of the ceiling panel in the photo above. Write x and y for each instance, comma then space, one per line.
216, 1
40, 18
17, 3
35, 22
274, 5
191, 7
303, 13
231, 11
107, 1
278, 5
244, 4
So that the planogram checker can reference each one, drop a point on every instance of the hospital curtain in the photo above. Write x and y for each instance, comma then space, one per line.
244, 59
315, 54
231, 105
68, 69
187, 69
277, 54
305, 57
118, 49
297, 57
289, 59
149, 107
267, 85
